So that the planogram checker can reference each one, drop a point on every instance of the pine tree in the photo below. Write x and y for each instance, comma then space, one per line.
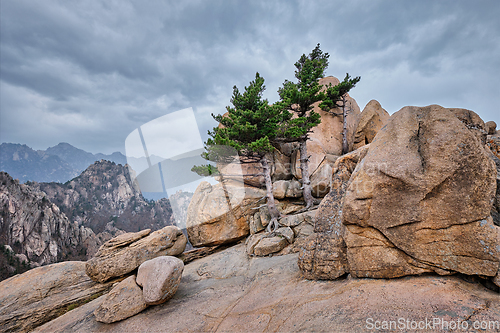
299, 97
336, 97
249, 127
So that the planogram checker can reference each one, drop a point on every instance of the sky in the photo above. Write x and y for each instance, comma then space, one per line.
91, 72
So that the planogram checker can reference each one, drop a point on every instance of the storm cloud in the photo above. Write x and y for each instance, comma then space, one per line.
89, 73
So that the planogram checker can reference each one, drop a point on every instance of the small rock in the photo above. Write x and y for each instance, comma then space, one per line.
294, 189
160, 278
295, 220
256, 224
265, 217
281, 163
252, 241
286, 232
22, 258
279, 188
270, 245
123, 301
287, 207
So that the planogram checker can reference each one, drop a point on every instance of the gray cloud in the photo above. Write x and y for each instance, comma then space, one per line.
89, 73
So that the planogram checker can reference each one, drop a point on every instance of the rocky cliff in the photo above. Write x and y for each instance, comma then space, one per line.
33, 228
104, 193
43, 223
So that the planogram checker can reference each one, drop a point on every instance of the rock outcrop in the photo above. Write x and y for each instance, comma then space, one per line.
105, 193
421, 199
323, 254
370, 121
329, 131
251, 173
31, 299
123, 301
159, 278
35, 227
231, 292
220, 213
123, 254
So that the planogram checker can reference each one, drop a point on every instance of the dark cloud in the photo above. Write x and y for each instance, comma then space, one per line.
89, 73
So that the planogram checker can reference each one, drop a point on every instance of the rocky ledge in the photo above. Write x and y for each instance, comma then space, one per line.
230, 291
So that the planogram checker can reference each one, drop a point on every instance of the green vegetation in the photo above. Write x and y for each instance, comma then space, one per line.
8, 259
253, 128
249, 127
299, 97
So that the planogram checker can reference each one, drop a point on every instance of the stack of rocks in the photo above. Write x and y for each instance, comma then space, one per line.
159, 272
420, 200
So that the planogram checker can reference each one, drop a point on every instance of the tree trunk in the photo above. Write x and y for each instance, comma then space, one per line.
345, 145
304, 168
271, 206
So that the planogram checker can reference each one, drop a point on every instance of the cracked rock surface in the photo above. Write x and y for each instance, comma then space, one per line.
421, 199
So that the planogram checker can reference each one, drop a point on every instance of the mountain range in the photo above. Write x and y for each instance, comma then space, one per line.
60, 163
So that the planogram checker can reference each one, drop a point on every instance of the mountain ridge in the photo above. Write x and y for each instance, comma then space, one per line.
59, 163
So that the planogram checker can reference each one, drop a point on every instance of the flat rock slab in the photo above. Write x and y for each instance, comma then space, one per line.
41, 294
231, 292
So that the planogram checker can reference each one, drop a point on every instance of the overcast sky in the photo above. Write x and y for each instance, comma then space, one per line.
90, 72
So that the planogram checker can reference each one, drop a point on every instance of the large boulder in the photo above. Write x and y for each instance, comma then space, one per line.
123, 254
33, 298
123, 301
421, 199
317, 153
371, 120
472, 122
329, 131
219, 214
491, 127
160, 278
251, 173
321, 179
323, 255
